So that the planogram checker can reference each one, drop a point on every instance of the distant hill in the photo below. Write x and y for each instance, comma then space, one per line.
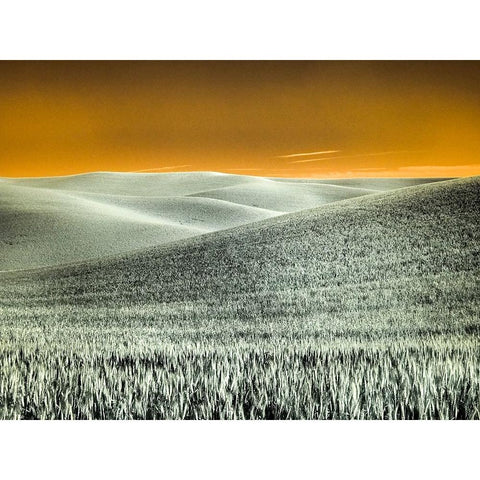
57, 220
409, 256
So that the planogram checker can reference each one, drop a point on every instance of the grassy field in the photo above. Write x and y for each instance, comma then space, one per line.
366, 308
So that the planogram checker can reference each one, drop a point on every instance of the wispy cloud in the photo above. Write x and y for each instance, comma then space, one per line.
242, 169
340, 157
324, 152
371, 169
159, 169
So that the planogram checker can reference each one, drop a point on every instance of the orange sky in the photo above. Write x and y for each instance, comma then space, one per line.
366, 118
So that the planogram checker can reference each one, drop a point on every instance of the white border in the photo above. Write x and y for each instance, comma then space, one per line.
211, 450
251, 29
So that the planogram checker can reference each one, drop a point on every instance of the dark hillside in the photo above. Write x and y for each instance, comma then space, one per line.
410, 254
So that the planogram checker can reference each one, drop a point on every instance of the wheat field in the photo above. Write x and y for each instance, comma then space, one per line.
363, 309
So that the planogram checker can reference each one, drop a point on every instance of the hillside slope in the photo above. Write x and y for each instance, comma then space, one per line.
57, 220
380, 184
138, 184
42, 227
187, 183
408, 258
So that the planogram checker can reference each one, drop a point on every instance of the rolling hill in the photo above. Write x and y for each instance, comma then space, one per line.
413, 251
51, 221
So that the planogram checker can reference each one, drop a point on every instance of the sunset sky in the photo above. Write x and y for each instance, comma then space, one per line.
292, 119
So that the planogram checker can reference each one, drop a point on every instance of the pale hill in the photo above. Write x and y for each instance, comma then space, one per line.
282, 196
56, 220
410, 257
190, 183
369, 183
136, 184
42, 227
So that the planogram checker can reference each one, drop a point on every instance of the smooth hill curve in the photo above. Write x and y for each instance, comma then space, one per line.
136, 184
380, 184
57, 220
191, 183
408, 259
283, 197
42, 227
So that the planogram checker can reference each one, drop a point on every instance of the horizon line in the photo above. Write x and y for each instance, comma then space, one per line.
219, 172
